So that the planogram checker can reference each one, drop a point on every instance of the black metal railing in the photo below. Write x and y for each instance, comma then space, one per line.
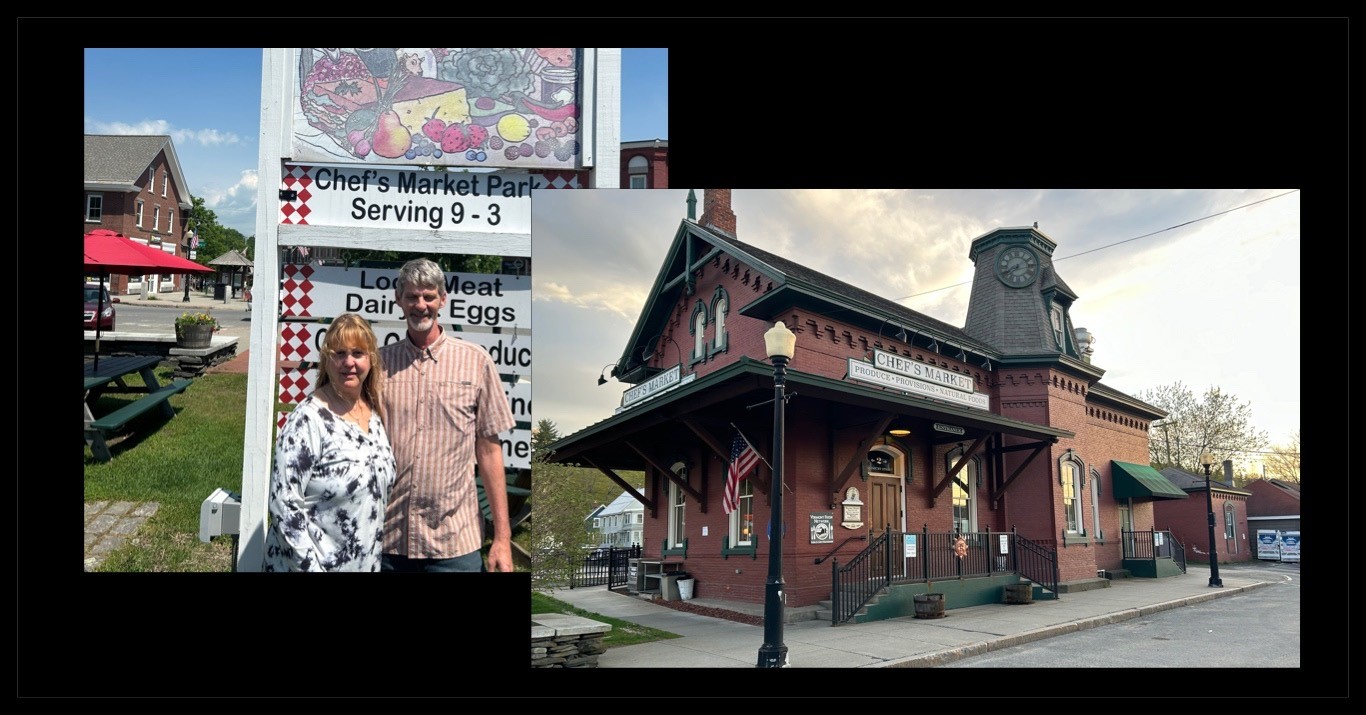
605, 567
860, 537
1034, 561
897, 557
1153, 545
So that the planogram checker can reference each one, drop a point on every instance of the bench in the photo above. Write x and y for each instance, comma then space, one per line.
518, 506
95, 432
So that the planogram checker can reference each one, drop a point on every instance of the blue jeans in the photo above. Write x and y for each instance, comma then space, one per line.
472, 562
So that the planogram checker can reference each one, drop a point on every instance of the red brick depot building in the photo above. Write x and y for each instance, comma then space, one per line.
904, 432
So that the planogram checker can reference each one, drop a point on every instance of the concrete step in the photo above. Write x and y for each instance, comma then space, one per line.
1083, 584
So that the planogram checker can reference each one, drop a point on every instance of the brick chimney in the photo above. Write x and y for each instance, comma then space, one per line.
716, 211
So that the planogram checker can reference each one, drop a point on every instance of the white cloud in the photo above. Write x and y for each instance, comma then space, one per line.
236, 205
203, 137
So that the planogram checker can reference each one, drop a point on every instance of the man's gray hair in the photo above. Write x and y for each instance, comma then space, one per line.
421, 273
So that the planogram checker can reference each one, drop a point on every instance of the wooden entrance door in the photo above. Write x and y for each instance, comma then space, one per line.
884, 504
884, 510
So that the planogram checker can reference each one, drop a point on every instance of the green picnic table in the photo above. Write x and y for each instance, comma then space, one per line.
110, 377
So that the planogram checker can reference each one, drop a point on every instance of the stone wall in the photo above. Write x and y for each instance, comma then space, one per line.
563, 641
187, 362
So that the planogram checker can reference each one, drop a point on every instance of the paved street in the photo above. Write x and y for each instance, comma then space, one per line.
1257, 628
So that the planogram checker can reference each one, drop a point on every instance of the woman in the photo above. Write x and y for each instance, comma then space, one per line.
333, 466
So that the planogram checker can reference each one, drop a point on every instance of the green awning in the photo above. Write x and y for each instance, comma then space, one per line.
1142, 482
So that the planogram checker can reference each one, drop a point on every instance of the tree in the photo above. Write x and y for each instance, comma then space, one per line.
1216, 422
542, 437
214, 239
1284, 461
560, 501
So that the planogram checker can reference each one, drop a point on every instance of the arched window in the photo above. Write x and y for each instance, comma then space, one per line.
677, 504
964, 490
720, 305
1058, 324
1071, 473
698, 328
637, 168
1230, 518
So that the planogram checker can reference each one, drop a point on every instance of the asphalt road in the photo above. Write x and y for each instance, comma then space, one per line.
234, 319
1257, 629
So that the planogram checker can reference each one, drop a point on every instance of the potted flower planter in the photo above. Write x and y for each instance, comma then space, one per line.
194, 330
194, 336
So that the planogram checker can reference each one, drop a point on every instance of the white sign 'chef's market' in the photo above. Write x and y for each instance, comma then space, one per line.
866, 372
921, 371
478, 299
342, 195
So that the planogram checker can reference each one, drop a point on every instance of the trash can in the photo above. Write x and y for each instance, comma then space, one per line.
220, 290
685, 587
668, 587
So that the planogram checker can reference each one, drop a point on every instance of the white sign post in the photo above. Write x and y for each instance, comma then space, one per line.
318, 189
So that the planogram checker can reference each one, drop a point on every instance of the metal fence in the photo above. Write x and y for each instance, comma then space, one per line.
604, 567
898, 557
1153, 545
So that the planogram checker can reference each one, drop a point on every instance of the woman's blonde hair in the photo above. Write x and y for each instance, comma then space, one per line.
347, 332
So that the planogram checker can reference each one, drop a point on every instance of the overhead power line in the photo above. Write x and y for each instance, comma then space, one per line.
1117, 243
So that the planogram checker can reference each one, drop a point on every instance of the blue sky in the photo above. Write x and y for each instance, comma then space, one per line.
215, 123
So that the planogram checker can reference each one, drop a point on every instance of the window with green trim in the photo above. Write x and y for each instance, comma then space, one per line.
741, 539
698, 328
1095, 504
1230, 518
1070, 471
964, 488
1059, 323
677, 511
720, 305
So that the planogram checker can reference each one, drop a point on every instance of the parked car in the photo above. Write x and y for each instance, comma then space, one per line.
95, 296
600, 554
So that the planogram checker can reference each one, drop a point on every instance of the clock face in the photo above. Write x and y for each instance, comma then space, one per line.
1017, 266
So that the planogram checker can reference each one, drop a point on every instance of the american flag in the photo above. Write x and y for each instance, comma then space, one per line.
742, 460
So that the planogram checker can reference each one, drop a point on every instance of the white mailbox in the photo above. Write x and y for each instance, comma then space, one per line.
219, 514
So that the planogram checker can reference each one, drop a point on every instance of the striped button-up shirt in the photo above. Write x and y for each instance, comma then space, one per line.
436, 401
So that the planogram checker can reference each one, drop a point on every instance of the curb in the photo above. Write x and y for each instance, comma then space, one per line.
951, 655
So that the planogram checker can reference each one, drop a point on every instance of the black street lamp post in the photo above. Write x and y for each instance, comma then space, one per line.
1207, 459
187, 245
780, 343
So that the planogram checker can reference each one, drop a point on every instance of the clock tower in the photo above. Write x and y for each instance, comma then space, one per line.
1019, 304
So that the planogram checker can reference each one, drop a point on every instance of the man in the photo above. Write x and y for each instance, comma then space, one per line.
443, 408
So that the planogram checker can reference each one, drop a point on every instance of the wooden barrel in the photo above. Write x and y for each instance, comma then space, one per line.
1020, 593
929, 605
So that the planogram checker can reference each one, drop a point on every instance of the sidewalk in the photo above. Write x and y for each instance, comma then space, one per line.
176, 301
905, 642
200, 301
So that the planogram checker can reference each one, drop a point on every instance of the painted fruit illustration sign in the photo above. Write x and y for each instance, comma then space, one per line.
495, 107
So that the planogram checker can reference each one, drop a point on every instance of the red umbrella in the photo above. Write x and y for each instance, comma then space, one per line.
115, 253
109, 252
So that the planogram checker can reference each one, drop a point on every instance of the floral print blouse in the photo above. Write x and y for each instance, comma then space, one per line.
328, 490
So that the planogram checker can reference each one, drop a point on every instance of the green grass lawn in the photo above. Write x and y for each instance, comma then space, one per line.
178, 463
622, 633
